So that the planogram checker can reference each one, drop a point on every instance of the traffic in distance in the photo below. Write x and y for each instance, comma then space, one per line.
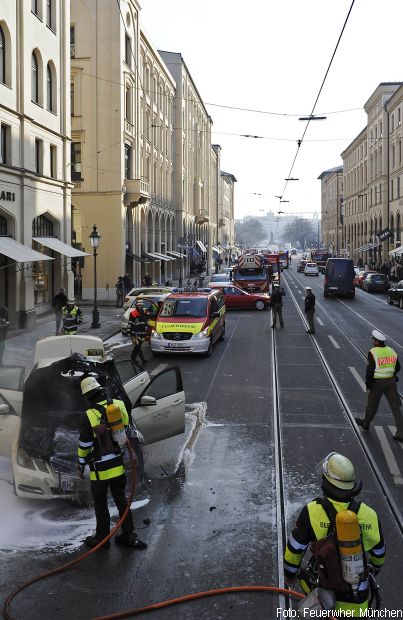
260, 388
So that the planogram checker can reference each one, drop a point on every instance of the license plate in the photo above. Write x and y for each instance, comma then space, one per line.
68, 486
176, 345
333, 288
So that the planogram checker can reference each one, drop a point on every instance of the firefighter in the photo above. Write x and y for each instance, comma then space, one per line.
276, 304
98, 449
310, 309
138, 322
340, 488
383, 365
72, 316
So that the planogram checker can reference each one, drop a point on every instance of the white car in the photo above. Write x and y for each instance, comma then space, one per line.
39, 421
311, 269
143, 290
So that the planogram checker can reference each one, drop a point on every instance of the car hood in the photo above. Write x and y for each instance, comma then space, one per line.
53, 406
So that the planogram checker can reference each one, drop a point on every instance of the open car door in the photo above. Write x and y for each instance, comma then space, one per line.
159, 412
133, 377
11, 392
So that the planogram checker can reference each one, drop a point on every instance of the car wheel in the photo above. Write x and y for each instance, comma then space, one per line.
390, 302
401, 303
259, 305
210, 349
222, 335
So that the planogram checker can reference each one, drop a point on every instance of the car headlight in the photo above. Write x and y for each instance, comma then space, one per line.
156, 335
24, 460
200, 335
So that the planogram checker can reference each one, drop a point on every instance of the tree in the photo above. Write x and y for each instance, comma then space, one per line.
302, 232
249, 232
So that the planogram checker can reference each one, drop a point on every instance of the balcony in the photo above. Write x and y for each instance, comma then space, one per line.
221, 222
136, 190
202, 217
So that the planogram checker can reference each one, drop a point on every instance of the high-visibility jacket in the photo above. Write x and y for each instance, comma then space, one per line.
385, 359
71, 318
313, 524
105, 466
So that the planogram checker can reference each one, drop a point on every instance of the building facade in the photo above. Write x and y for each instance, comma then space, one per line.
226, 212
332, 207
35, 190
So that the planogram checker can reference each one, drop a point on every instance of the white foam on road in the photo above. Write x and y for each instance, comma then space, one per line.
29, 524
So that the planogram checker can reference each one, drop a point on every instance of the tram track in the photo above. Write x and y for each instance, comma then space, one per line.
383, 485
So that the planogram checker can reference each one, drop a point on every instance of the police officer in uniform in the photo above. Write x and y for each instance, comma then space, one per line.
276, 304
310, 309
340, 487
106, 467
383, 365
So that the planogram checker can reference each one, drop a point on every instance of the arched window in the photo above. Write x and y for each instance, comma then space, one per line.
2, 57
3, 225
49, 87
34, 79
42, 227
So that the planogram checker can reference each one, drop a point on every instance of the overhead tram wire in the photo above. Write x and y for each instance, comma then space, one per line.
299, 142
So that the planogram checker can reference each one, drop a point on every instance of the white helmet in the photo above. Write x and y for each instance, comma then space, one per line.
339, 471
89, 386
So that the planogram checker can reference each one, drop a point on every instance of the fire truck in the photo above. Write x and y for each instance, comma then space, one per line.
283, 256
320, 256
252, 274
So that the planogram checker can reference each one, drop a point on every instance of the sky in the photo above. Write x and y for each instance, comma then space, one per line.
272, 56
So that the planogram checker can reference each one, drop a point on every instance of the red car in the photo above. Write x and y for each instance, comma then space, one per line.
361, 276
235, 297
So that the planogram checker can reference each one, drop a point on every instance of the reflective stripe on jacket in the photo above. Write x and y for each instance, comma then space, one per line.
106, 466
385, 359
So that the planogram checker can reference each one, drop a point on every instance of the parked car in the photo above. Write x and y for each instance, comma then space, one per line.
143, 290
360, 277
152, 302
311, 269
395, 294
39, 430
235, 297
301, 266
375, 282
339, 277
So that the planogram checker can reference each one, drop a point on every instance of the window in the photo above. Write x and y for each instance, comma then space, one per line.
38, 156
2, 57
128, 161
128, 104
72, 41
72, 98
3, 226
42, 227
76, 161
398, 117
128, 50
49, 88
35, 7
398, 187
53, 161
392, 122
5, 144
50, 14
34, 79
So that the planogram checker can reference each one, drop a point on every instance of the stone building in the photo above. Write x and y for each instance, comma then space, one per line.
332, 210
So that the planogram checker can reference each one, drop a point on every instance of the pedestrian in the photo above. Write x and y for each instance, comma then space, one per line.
59, 301
138, 322
120, 292
383, 366
385, 269
4, 325
310, 309
98, 449
315, 521
400, 272
148, 280
72, 316
276, 304
168, 283
127, 281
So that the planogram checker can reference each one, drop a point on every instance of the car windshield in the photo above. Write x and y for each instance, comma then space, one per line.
377, 277
195, 308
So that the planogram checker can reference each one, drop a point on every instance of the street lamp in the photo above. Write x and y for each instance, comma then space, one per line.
95, 239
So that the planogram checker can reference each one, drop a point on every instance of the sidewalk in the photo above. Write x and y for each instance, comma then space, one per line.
20, 345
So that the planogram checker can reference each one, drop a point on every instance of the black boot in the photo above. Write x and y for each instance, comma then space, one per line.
130, 541
93, 541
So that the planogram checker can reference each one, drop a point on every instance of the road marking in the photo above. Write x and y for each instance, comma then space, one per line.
358, 378
158, 369
320, 322
393, 431
389, 456
334, 343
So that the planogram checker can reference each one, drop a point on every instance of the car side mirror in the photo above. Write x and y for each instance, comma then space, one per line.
215, 315
147, 401
4, 409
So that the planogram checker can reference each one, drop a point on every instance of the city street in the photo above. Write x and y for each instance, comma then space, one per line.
262, 413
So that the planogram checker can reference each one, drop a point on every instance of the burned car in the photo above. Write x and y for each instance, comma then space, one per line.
39, 421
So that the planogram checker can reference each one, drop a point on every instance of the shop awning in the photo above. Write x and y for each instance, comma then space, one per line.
19, 252
163, 257
201, 245
398, 250
216, 249
151, 257
135, 257
58, 246
176, 254
364, 248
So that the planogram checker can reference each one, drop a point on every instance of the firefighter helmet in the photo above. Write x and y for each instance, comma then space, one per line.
339, 471
90, 386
